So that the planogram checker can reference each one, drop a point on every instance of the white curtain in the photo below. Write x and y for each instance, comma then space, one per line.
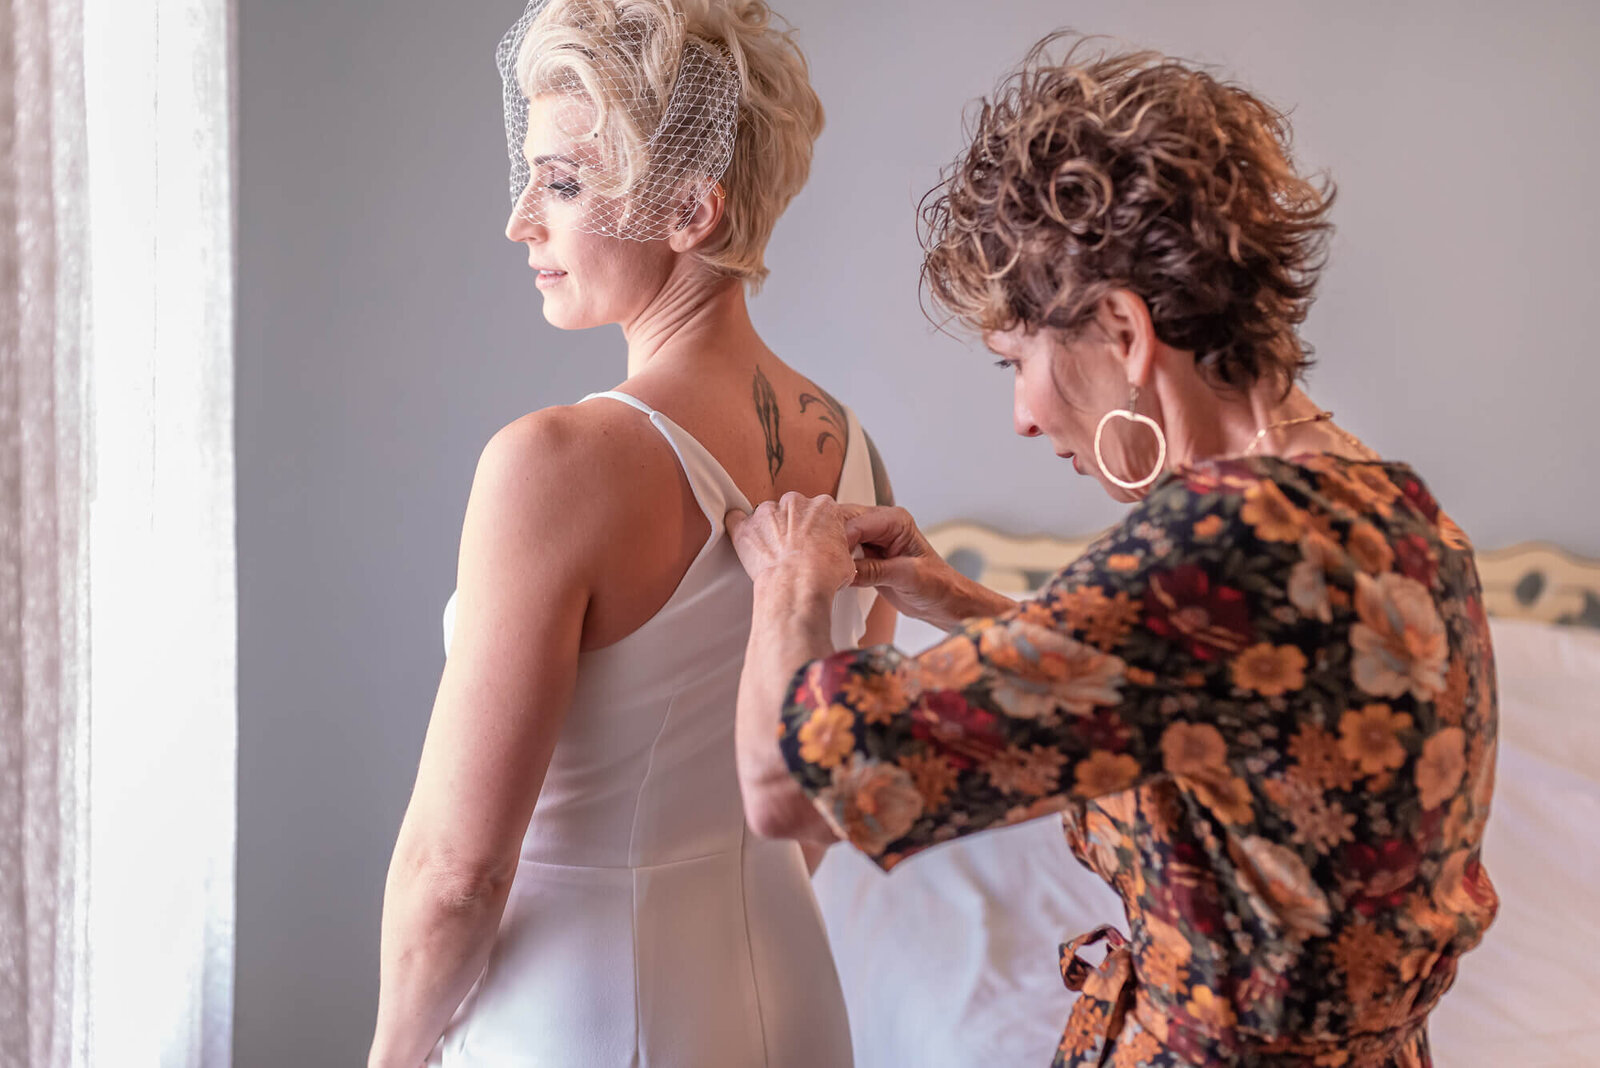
117, 591
43, 538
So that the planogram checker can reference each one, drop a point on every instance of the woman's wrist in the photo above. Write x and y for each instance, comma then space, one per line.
793, 613
978, 600
796, 589
947, 598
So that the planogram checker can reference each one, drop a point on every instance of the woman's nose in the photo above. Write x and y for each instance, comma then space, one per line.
524, 224
1022, 419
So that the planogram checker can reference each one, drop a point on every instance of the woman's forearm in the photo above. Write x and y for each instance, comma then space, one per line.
965, 599
437, 934
790, 626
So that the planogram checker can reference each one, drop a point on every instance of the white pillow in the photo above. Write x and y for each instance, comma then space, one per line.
1549, 680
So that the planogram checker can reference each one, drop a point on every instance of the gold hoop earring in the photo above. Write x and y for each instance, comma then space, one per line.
1133, 417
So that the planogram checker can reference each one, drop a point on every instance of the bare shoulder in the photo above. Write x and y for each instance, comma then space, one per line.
561, 477
577, 451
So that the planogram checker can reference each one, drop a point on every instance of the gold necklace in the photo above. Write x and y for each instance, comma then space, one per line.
1284, 424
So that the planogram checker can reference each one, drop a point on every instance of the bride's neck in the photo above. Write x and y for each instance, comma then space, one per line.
692, 318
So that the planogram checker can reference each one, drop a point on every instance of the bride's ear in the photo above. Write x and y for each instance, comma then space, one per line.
700, 220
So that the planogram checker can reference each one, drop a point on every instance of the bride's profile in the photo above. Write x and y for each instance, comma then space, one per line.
574, 881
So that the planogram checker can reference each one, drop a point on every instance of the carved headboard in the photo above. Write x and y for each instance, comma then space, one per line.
1533, 580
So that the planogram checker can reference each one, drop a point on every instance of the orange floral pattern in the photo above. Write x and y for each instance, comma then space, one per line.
1194, 750
1270, 670
1400, 641
933, 774
1370, 738
825, 737
1440, 767
1268, 511
1105, 773
1264, 708
870, 803
876, 696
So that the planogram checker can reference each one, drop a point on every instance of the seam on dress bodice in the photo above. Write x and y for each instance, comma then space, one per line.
644, 784
749, 944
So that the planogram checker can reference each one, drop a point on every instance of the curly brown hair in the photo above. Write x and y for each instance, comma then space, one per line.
1132, 171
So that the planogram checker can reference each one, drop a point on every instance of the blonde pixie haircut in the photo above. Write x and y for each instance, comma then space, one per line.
626, 57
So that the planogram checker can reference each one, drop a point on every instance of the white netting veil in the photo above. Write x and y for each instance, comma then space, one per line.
618, 121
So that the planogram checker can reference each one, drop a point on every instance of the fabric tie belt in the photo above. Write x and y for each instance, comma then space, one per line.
1107, 993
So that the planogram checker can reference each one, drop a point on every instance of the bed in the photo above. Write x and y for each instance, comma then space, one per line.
950, 962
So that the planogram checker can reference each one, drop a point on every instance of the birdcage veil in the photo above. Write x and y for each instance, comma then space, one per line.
633, 117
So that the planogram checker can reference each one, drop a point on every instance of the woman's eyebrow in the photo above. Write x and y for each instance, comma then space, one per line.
538, 161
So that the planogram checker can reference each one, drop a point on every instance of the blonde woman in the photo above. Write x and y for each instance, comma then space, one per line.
574, 881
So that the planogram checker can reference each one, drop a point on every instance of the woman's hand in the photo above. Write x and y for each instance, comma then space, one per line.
796, 536
909, 574
795, 552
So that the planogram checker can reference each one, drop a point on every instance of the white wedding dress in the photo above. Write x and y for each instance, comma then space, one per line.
647, 925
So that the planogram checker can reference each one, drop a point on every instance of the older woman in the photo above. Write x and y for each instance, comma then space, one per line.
1264, 703
574, 882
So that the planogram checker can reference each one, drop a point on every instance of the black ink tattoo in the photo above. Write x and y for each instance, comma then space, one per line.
833, 414
767, 411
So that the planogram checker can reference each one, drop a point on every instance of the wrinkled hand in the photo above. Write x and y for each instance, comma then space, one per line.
908, 573
897, 558
798, 535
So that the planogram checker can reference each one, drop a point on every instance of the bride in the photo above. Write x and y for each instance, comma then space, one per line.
574, 881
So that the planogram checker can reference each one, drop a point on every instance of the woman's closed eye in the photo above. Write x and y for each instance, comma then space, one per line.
565, 188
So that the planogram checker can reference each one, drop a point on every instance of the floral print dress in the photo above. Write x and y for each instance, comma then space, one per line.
1264, 706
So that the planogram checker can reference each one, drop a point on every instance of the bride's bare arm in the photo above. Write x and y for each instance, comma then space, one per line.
523, 589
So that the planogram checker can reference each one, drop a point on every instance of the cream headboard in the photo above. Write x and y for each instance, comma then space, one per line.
1528, 581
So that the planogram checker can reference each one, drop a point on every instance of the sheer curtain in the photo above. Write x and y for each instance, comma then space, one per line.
43, 538
117, 592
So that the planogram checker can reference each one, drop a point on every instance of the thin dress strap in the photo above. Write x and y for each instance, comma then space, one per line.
716, 492
626, 398
714, 489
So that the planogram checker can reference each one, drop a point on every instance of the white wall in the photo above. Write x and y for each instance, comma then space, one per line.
387, 329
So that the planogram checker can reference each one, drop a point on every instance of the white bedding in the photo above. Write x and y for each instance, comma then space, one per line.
950, 961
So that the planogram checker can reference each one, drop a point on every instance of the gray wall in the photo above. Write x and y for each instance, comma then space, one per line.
387, 329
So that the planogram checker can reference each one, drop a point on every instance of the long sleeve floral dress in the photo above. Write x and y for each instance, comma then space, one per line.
1265, 708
